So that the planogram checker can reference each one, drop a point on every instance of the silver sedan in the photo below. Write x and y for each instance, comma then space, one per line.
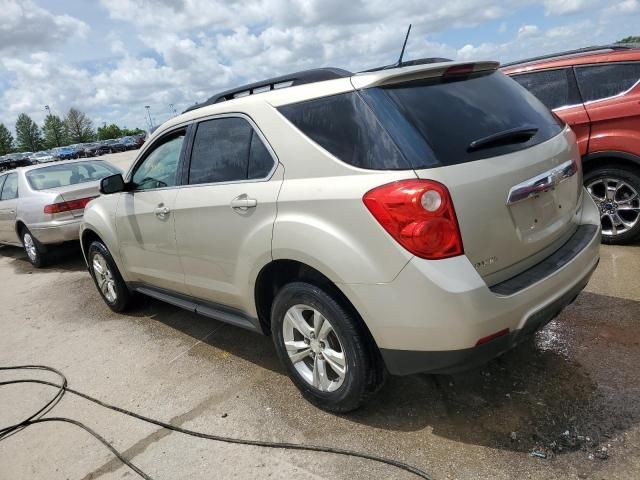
43, 205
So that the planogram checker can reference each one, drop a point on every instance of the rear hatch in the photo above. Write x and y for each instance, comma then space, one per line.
511, 167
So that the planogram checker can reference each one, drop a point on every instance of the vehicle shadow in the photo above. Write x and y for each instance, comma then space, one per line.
61, 258
567, 388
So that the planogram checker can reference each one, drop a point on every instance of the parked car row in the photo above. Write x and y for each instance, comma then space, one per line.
80, 150
421, 218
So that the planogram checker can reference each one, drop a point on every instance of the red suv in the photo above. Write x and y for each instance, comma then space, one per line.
596, 90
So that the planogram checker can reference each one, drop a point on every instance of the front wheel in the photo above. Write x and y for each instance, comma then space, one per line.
616, 192
323, 347
112, 287
34, 249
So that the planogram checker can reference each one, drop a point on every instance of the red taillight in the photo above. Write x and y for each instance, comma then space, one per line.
78, 204
419, 215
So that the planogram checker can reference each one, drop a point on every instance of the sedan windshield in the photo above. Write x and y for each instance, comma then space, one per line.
63, 175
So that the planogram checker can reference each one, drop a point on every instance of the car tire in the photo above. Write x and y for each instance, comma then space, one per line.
313, 357
36, 251
107, 278
621, 209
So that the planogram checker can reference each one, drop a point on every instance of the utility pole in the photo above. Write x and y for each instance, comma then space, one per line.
149, 115
172, 107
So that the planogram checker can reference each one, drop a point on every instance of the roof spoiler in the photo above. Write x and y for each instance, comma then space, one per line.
419, 72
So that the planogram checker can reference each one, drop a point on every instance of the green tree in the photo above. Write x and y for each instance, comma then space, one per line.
27, 134
6, 140
54, 132
629, 40
107, 132
127, 132
78, 126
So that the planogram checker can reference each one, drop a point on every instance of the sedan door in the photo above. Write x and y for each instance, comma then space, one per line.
8, 208
145, 219
224, 216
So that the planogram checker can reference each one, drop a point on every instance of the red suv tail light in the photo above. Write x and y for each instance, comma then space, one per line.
78, 204
419, 215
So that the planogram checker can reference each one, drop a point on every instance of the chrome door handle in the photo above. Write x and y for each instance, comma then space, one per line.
162, 212
243, 203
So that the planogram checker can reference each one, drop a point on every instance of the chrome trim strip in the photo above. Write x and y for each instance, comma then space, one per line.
542, 183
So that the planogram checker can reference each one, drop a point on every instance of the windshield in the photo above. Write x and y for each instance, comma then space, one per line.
69, 174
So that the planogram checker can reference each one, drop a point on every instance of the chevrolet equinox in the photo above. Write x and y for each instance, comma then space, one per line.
424, 218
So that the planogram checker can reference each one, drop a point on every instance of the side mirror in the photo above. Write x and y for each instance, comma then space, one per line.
112, 184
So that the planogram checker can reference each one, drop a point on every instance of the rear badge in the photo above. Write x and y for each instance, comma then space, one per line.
485, 263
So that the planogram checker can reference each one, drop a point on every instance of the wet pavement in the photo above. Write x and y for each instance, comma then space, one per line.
570, 395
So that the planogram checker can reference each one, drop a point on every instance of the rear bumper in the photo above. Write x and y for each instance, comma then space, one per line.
57, 232
405, 362
430, 318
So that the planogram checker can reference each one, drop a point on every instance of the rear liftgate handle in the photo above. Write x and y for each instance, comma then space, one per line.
242, 203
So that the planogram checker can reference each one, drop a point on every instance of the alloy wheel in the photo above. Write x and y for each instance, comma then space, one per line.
104, 278
30, 247
314, 348
618, 202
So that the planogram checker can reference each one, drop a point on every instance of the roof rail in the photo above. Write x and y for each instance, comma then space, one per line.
594, 48
283, 81
410, 63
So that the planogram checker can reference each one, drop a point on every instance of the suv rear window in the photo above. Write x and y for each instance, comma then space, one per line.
425, 123
603, 81
450, 114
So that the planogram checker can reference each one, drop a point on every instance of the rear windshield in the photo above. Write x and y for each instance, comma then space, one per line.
425, 123
66, 174
451, 114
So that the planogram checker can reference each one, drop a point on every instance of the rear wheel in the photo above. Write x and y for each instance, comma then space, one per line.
35, 250
616, 192
323, 348
112, 287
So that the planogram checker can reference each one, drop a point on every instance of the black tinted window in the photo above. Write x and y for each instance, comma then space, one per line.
450, 114
602, 81
554, 88
260, 160
226, 150
10, 187
344, 126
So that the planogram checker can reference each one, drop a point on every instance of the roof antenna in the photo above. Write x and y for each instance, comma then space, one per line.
399, 64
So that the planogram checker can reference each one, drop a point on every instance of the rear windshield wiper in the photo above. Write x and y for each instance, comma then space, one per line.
506, 137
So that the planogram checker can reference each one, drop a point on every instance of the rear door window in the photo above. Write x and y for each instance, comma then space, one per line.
603, 81
451, 113
10, 187
228, 150
348, 129
554, 88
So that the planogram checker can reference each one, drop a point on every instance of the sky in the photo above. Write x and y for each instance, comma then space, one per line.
111, 58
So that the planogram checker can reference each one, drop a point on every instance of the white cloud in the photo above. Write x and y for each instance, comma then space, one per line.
188, 50
528, 31
25, 25
624, 7
565, 7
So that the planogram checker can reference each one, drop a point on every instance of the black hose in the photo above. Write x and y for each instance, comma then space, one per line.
62, 388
